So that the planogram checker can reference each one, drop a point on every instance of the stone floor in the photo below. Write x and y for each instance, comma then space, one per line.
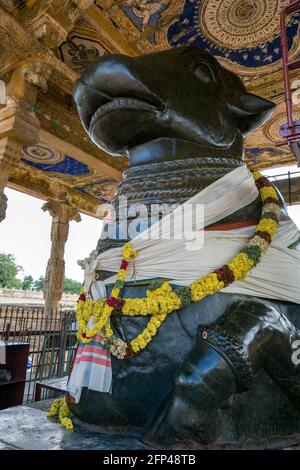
27, 427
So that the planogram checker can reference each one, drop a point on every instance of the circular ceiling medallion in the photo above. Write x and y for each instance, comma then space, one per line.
239, 24
40, 153
272, 128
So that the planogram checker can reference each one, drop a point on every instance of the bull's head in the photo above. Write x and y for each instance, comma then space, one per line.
181, 94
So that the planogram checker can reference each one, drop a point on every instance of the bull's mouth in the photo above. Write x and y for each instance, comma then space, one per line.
123, 103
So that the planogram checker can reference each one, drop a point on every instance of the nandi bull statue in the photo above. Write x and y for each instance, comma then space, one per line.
197, 345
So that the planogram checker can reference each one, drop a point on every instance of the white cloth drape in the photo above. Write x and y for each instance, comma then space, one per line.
277, 276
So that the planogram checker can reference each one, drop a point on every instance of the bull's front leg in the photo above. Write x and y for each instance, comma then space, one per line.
223, 362
191, 411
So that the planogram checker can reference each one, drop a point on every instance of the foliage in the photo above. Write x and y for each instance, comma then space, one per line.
9, 270
71, 286
27, 283
39, 284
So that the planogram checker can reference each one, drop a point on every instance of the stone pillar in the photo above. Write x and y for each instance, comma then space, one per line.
61, 214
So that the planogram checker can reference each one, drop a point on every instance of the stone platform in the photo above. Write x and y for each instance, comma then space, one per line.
28, 428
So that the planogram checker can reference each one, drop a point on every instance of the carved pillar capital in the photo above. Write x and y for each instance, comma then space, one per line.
61, 214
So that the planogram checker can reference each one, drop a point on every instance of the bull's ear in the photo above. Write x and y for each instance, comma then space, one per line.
251, 112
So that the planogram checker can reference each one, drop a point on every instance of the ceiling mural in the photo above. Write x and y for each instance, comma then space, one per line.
101, 188
71, 171
243, 33
46, 159
272, 127
264, 157
81, 47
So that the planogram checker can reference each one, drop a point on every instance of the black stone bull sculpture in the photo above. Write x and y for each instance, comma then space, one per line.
181, 118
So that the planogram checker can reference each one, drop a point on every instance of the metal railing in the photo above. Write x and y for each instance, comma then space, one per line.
278, 180
52, 341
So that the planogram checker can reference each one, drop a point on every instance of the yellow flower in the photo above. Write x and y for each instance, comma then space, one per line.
256, 175
240, 265
267, 225
115, 292
122, 275
67, 424
128, 251
207, 285
267, 192
59, 409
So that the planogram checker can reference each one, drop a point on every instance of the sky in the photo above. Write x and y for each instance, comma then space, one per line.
26, 234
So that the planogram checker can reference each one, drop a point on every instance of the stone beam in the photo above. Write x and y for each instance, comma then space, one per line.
44, 187
110, 37
20, 128
16, 127
61, 215
70, 149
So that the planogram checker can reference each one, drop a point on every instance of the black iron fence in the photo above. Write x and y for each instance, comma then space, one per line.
288, 184
52, 341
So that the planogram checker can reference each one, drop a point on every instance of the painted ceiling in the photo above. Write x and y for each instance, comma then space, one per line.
76, 174
243, 34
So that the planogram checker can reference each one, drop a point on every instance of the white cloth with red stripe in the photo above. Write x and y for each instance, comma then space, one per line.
91, 368
277, 276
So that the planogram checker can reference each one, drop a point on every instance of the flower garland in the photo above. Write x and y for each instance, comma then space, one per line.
161, 301
59, 409
102, 309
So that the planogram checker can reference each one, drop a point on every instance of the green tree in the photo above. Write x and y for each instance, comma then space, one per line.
9, 270
39, 284
27, 283
71, 286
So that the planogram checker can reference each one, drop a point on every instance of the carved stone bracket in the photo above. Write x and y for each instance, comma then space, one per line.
51, 20
30, 76
61, 215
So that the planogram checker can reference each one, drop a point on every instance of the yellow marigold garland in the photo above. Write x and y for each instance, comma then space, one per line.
59, 409
101, 310
164, 300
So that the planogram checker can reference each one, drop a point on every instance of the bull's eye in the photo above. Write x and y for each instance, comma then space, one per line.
203, 72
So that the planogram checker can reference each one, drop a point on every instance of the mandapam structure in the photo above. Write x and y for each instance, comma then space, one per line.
45, 46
